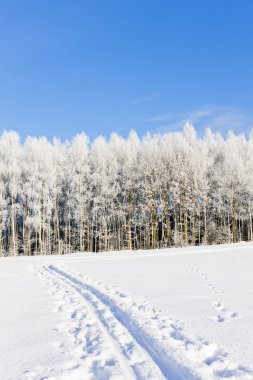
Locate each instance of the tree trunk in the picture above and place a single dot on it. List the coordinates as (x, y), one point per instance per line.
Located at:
(234, 219)
(185, 227)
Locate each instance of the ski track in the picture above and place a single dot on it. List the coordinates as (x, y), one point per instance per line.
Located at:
(113, 335)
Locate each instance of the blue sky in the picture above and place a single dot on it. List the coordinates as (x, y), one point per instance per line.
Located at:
(116, 65)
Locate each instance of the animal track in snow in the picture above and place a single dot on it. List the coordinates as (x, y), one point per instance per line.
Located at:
(205, 278)
(223, 314)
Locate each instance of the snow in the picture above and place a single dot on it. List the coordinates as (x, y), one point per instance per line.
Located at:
(182, 313)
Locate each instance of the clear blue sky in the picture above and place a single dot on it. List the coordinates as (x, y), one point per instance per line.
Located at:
(103, 66)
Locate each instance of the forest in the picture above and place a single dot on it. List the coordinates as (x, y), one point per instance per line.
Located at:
(162, 190)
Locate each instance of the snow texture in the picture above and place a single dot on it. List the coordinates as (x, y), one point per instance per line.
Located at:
(168, 314)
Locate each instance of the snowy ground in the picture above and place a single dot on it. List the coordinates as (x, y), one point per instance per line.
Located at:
(175, 314)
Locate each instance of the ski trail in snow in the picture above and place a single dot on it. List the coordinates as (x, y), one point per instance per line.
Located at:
(139, 342)
(102, 344)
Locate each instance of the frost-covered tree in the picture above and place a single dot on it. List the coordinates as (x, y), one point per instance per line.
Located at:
(159, 191)
(10, 159)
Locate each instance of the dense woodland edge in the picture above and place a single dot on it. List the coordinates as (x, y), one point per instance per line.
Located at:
(160, 191)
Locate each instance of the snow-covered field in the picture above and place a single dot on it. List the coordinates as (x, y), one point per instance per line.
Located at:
(176, 314)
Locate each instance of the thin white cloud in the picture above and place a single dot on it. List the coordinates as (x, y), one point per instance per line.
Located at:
(145, 99)
(220, 119)
(161, 117)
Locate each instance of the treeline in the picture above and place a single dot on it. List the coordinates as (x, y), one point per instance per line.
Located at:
(163, 190)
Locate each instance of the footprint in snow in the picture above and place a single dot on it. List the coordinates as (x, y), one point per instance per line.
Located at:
(223, 314)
